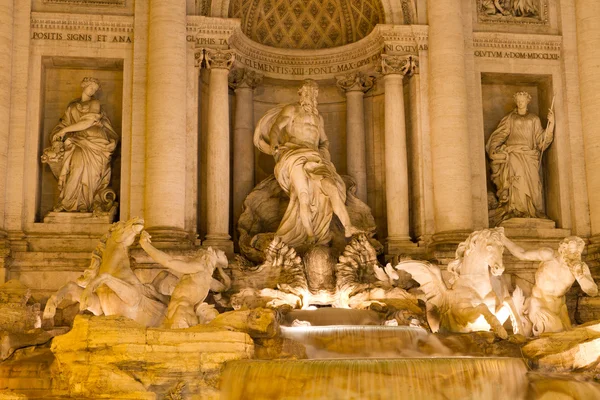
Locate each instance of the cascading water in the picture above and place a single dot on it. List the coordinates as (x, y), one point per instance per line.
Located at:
(347, 341)
(373, 362)
(410, 378)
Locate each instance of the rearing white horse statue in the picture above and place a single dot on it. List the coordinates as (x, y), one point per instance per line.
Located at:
(476, 299)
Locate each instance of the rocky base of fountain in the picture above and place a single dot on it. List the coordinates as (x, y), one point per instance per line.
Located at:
(114, 357)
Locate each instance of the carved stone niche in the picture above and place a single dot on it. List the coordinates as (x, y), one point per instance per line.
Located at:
(498, 104)
(61, 84)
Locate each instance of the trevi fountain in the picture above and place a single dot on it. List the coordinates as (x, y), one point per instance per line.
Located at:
(299, 199)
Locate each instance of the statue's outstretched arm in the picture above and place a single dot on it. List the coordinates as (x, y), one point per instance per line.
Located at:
(83, 124)
(585, 280)
(217, 286)
(182, 267)
(543, 254)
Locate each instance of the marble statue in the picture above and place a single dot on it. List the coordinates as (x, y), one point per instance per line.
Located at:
(475, 299)
(110, 287)
(294, 134)
(515, 149)
(80, 155)
(546, 310)
(187, 298)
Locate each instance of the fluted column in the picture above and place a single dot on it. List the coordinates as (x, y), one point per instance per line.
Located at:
(166, 120)
(6, 52)
(588, 43)
(243, 81)
(449, 119)
(355, 85)
(218, 150)
(394, 69)
(6, 49)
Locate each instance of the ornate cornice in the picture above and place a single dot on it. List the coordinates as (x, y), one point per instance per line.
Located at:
(324, 63)
(89, 3)
(402, 65)
(81, 22)
(510, 45)
(244, 78)
(219, 59)
(356, 81)
(199, 27)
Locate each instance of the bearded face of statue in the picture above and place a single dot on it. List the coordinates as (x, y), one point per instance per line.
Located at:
(570, 250)
(308, 98)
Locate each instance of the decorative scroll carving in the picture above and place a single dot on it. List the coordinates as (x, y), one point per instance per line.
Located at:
(216, 58)
(198, 58)
(405, 65)
(244, 78)
(513, 11)
(358, 81)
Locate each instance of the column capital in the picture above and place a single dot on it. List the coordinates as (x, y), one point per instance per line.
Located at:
(198, 57)
(405, 65)
(244, 78)
(354, 82)
(219, 59)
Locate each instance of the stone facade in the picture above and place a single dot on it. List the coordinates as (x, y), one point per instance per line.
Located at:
(185, 82)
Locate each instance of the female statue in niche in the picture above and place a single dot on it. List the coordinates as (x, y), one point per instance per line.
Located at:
(515, 149)
(82, 146)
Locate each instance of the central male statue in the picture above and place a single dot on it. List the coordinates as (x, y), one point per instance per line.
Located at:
(294, 134)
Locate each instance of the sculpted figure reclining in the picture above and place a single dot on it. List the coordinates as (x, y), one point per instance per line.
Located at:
(109, 286)
(546, 310)
(194, 284)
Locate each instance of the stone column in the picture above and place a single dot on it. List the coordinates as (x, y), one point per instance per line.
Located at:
(355, 85)
(448, 116)
(218, 150)
(6, 53)
(588, 43)
(166, 121)
(394, 68)
(243, 82)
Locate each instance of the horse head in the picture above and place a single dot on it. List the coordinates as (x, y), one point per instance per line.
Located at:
(482, 250)
(124, 232)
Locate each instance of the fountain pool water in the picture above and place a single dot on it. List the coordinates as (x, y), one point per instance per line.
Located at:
(373, 362)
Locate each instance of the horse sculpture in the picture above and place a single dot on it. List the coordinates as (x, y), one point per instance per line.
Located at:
(109, 286)
(476, 299)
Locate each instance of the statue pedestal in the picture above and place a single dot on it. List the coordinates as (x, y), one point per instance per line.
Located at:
(542, 231)
(80, 218)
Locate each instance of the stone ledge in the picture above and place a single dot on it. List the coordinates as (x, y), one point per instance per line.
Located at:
(108, 357)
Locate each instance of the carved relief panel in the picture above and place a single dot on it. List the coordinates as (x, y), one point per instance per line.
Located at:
(513, 11)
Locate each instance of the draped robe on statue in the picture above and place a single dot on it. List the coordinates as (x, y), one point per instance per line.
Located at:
(522, 140)
(292, 155)
(86, 170)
